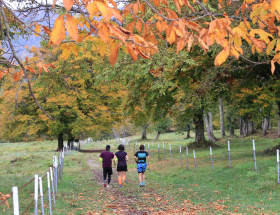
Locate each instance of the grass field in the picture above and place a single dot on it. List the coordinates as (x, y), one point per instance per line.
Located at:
(236, 189)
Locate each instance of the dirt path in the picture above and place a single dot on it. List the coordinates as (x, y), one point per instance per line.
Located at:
(134, 200)
(120, 203)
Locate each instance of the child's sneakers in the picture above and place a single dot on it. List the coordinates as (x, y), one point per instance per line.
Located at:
(105, 183)
(143, 184)
(107, 186)
(140, 185)
(120, 185)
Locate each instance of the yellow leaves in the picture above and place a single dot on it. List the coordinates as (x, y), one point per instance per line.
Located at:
(92, 8)
(234, 52)
(270, 46)
(106, 13)
(275, 5)
(58, 32)
(114, 54)
(102, 48)
(68, 4)
(263, 35)
(72, 27)
(67, 49)
(37, 29)
(222, 56)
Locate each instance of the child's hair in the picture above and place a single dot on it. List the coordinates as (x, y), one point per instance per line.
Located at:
(141, 147)
(121, 147)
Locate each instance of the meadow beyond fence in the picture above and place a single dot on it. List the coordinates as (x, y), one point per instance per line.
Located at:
(181, 155)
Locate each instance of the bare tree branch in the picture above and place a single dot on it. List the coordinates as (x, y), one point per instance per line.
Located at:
(18, 60)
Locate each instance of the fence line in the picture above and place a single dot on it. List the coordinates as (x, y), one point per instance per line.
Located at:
(213, 158)
(53, 175)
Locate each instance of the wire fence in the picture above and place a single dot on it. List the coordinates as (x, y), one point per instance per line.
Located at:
(43, 201)
(186, 158)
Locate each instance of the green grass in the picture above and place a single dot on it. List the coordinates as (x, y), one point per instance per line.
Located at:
(238, 188)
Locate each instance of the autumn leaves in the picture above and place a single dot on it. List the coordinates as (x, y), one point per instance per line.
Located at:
(141, 35)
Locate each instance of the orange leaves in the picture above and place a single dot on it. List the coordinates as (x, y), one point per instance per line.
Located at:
(37, 29)
(130, 26)
(105, 11)
(186, 2)
(222, 56)
(72, 28)
(103, 32)
(68, 4)
(58, 32)
(171, 14)
(114, 54)
(2, 73)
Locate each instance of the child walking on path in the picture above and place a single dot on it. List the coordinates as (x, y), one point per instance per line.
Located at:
(141, 164)
(106, 159)
(122, 158)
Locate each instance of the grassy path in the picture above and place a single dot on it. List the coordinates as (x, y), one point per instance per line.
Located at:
(151, 199)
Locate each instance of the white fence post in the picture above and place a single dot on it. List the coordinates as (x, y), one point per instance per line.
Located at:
(278, 166)
(163, 151)
(15, 200)
(255, 159)
(180, 155)
(51, 172)
(211, 157)
(228, 153)
(49, 191)
(36, 194)
(194, 160)
(187, 152)
(41, 194)
(170, 152)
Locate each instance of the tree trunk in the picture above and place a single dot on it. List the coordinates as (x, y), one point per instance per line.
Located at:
(71, 138)
(269, 124)
(250, 127)
(222, 117)
(241, 126)
(60, 141)
(144, 131)
(209, 127)
(158, 133)
(265, 126)
(188, 131)
(199, 129)
(229, 125)
(244, 128)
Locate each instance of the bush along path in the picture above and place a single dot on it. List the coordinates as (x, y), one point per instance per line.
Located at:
(132, 199)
